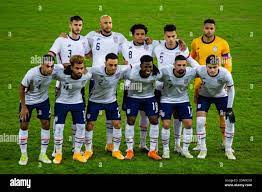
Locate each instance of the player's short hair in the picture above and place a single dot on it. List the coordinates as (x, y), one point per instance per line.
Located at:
(111, 56)
(212, 21)
(146, 58)
(76, 18)
(212, 59)
(138, 26)
(77, 59)
(180, 58)
(47, 58)
(169, 27)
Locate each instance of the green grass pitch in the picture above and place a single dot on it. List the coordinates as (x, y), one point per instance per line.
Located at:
(26, 31)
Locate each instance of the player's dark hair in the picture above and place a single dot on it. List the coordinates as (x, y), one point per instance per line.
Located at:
(212, 21)
(76, 18)
(111, 56)
(138, 26)
(169, 27)
(212, 59)
(47, 58)
(180, 58)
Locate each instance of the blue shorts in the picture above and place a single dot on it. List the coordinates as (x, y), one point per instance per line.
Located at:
(43, 110)
(77, 111)
(148, 105)
(111, 109)
(204, 103)
(183, 110)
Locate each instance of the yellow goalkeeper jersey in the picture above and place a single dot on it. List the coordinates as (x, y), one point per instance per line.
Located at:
(200, 50)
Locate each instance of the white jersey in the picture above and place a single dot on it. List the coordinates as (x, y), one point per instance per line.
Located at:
(166, 57)
(140, 87)
(71, 88)
(214, 86)
(37, 85)
(64, 48)
(132, 53)
(102, 45)
(105, 86)
(175, 88)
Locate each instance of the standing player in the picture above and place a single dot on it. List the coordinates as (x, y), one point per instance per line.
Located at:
(201, 48)
(103, 97)
(142, 79)
(165, 54)
(71, 100)
(175, 98)
(64, 48)
(103, 42)
(34, 95)
(217, 87)
(132, 51)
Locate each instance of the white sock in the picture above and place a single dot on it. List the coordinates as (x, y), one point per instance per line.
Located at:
(54, 121)
(201, 132)
(229, 135)
(73, 134)
(177, 131)
(187, 138)
(23, 136)
(129, 135)
(79, 137)
(89, 140)
(45, 137)
(59, 130)
(109, 131)
(143, 128)
(117, 134)
(165, 138)
(154, 132)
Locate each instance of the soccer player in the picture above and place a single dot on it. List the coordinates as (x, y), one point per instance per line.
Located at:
(33, 94)
(73, 80)
(64, 48)
(217, 87)
(132, 51)
(175, 97)
(103, 97)
(142, 79)
(165, 54)
(201, 48)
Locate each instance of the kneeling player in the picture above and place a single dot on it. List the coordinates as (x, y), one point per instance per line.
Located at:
(141, 95)
(212, 90)
(175, 99)
(103, 97)
(34, 95)
(72, 80)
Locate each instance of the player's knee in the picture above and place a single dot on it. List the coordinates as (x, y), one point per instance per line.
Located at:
(187, 123)
(24, 126)
(166, 124)
(90, 126)
(116, 124)
(131, 120)
(45, 124)
(153, 120)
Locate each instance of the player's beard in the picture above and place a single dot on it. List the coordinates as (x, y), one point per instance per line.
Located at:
(209, 35)
(75, 32)
(107, 31)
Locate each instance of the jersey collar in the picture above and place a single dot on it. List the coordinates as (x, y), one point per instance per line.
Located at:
(74, 39)
(171, 48)
(202, 39)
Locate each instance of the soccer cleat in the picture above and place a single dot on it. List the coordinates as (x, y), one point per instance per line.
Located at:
(88, 154)
(143, 148)
(58, 158)
(118, 155)
(109, 147)
(202, 154)
(223, 147)
(129, 154)
(79, 157)
(197, 148)
(153, 155)
(178, 149)
(229, 154)
(186, 154)
(44, 158)
(23, 159)
(166, 154)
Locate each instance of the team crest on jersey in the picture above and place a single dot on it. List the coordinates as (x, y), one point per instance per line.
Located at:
(130, 47)
(220, 81)
(215, 48)
(115, 39)
(146, 47)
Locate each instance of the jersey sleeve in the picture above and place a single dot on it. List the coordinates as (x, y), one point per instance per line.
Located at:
(27, 79)
(56, 47)
(229, 79)
(193, 49)
(87, 46)
(225, 52)
(122, 38)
